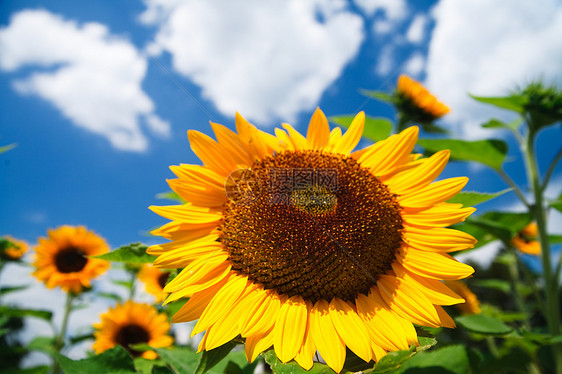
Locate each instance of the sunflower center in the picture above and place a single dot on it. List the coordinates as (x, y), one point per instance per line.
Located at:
(322, 226)
(70, 260)
(130, 335)
(163, 279)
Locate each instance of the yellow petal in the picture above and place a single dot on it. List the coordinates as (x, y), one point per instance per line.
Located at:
(444, 318)
(261, 314)
(256, 344)
(308, 349)
(350, 328)
(187, 213)
(299, 141)
(198, 194)
(212, 154)
(437, 239)
(436, 217)
(435, 193)
(318, 130)
(196, 304)
(290, 327)
(378, 352)
(327, 340)
(352, 136)
(433, 265)
(232, 144)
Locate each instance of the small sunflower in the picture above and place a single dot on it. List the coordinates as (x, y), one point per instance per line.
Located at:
(416, 104)
(62, 260)
(471, 304)
(302, 244)
(12, 249)
(526, 240)
(132, 323)
(154, 281)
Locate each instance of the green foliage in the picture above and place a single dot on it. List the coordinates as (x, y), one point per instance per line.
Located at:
(393, 360)
(447, 360)
(376, 128)
(472, 198)
(495, 123)
(489, 152)
(6, 148)
(17, 312)
(483, 324)
(292, 367)
(134, 253)
(213, 357)
(171, 195)
(515, 102)
(115, 360)
(181, 359)
(378, 95)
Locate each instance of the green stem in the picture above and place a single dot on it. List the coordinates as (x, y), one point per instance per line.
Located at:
(551, 170)
(132, 290)
(515, 187)
(514, 278)
(492, 346)
(59, 339)
(551, 284)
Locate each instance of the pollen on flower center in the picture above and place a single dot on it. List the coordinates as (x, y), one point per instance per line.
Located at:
(322, 226)
(70, 260)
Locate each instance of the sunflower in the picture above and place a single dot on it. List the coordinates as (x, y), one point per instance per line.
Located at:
(301, 244)
(12, 249)
(416, 104)
(132, 323)
(526, 240)
(62, 259)
(154, 281)
(471, 304)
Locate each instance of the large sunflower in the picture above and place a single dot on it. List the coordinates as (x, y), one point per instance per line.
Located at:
(301, 244)
(62, 258)
(132, 323)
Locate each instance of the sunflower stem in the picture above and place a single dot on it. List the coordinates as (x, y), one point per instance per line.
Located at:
(59, 339)
(513, 185)
(539, 212)
(514, 277)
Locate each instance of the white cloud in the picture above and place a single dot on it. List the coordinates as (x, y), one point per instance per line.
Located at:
(385, 62)
(416, 31)
(415, 64)
(268, 60)
(392, 12)
(487, 48)
(94, 78)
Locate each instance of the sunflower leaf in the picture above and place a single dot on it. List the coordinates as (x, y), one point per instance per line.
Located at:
(482, 324)
(15, 312)
(42, 344)
(515, 103)
(379, 95)
(131, 253)
(392, 361)
(213, 357)
(376, 128)
(471, 198)
(181, 359)
(490, 152)
(451, 359)
(495, 123)
(115, 360)
(5, 290)
(293, 368)
(6, 148)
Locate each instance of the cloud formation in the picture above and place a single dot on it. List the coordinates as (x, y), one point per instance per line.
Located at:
(94, 78)
(267, 60)
(487, 48)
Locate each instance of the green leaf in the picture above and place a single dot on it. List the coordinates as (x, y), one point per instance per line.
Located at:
(181, 359)
(496, 123)
(15, 312)
(170, 195)
(80, 338)
(213, 357)
(115, 361)
(33, 370)
(425, 343)
(557, 204)
(109, 295)
(161, 370)
(471, 198)
(378, 95)
(495, 284)
(237, 358)
(515, 103)
(483, 324)
(447, 360)
(132, 253)
(502, 225)
(376, 128)
(6, 290)
(42, 344)
(146, 366)
(6, 148)
(489, 152)
(555, 239)
(292, 367)
(393, 360)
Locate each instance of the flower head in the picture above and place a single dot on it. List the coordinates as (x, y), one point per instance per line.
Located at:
(62, 258)
(526, 240)
(302, 244)
(416, 103)
(471, 304)
(132, 323)
(12, 249)
(154, 281)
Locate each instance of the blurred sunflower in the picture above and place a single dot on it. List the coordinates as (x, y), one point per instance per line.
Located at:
(301, 244)
(471, 304)
(13, 249)
(62, 259)
(526, 240)
(154, 281)
(132, 323)
(416, 104)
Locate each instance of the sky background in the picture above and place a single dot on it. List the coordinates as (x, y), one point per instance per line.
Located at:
(99, 95)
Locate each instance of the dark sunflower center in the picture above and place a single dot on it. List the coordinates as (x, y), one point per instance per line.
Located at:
(163, 279)
(131, 334)
(322, 226)
(70, 260)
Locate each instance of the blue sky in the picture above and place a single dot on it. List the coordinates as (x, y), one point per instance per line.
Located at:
(99, 95)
